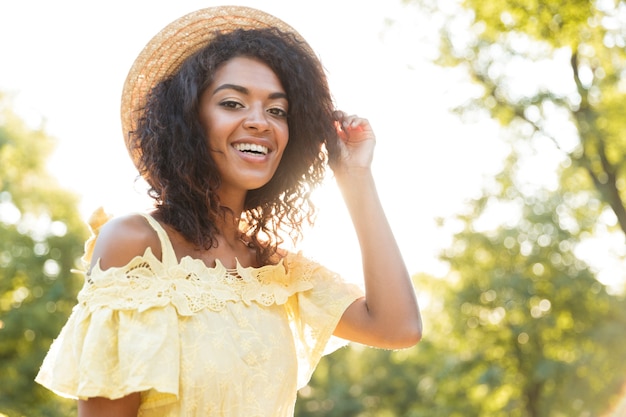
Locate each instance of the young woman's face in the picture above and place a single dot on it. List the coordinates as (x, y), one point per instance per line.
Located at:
(244, 115)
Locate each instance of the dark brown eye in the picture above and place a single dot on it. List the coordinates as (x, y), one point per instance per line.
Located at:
(277, 111)
(231, 104)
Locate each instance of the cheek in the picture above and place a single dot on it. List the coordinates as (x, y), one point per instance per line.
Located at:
(214, 129)
(283, 137)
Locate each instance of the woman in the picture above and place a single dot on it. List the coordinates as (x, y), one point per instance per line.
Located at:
(194, 309)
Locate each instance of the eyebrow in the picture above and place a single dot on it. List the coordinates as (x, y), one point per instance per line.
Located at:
(244, 90)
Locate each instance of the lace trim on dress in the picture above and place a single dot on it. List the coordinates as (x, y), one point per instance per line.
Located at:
(191, 286)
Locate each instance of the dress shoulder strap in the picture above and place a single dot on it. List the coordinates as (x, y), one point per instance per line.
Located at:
(167, 250)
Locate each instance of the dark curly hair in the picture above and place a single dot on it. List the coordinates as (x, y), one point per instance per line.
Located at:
(179, 168)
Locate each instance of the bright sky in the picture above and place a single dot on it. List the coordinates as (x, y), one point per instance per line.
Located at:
(66, 61)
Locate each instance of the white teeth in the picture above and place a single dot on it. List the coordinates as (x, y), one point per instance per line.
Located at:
(251, 147)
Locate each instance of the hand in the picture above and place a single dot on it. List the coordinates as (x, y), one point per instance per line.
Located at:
(356, 143)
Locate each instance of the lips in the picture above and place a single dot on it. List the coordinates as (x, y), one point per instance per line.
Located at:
(252, 148)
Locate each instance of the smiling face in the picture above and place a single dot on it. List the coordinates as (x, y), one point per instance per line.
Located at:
(244, 116)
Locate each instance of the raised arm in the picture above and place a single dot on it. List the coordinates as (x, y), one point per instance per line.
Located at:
(388, 316)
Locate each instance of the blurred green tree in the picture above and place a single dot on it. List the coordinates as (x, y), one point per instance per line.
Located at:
(520, 327)
(553, 74)
(41, 239)
(550, 71)
(534, 332)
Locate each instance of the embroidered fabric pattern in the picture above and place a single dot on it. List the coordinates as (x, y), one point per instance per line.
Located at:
(190, 286)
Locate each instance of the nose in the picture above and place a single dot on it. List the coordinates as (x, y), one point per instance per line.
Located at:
(256, 118)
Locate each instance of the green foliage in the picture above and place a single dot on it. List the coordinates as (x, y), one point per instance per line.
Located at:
(531, 322)
(552, 70)
(41, 237)
(552, 21)
(519, 327)
(528, 322)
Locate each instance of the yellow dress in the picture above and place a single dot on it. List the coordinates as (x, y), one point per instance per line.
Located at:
(198, 341)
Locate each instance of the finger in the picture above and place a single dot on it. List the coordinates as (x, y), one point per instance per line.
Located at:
(339, 115)
(354, 123)
(350, 122)
(345, 119)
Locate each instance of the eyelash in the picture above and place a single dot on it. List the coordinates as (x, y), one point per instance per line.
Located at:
(275, 111)
(278, 112)
(231, 104)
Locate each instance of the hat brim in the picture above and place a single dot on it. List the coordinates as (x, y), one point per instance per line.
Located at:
(168, 49)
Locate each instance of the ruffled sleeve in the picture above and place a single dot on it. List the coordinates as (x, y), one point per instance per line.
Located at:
(110, 349)
(315, 313)
(104, 352)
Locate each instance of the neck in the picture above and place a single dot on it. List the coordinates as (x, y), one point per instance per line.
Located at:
(228, 225)
(229, 222)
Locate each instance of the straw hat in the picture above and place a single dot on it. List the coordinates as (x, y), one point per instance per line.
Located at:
(166, 51)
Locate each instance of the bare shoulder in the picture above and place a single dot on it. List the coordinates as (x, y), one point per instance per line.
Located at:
(123, 238)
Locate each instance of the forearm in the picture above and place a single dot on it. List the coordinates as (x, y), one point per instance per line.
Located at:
(103, 407)
(391, 305)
